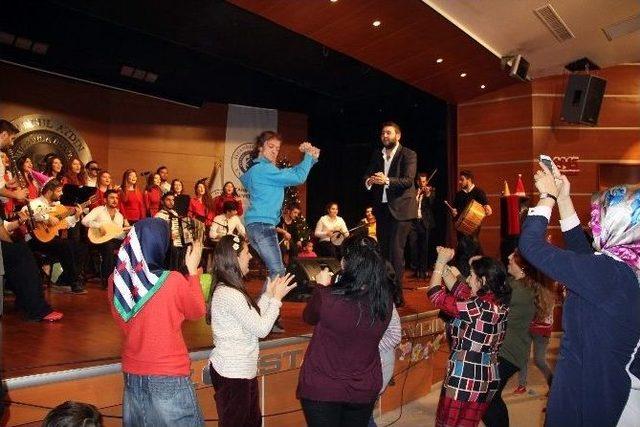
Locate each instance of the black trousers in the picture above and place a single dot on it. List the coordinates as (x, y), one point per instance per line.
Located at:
(237, 400)
(336, 414)
(63, 250)
(392, 238)
(108, 255)
(419, 244)
(328, 249)
(497, 414)
(22, 276)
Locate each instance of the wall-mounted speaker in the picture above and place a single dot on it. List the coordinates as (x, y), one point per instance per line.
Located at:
(305, 270)
(582, 99)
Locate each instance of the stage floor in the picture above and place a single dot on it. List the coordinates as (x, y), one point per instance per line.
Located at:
(87, 336)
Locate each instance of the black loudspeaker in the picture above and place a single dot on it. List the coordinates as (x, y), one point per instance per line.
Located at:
(305, 270)
(582, 99)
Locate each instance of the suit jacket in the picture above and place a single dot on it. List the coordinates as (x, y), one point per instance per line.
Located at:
(401, 194)
(426, 209)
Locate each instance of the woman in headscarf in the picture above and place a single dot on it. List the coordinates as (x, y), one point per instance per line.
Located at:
(597, 378)
(150, 303)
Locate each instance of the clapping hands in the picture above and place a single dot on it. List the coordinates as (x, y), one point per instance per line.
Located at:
(307, 148)
(279, 287)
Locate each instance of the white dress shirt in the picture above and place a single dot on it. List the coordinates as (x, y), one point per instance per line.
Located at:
(100, 215)
(222, 226)
(387, 166)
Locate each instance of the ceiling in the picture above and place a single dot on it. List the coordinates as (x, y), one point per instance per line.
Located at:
(201, 50)
(411, 37)
(508, 27)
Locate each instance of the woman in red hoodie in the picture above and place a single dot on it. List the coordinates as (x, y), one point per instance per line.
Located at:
(132, 204)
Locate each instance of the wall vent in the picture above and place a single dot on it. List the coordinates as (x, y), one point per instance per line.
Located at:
(622, 28)
(554, 23)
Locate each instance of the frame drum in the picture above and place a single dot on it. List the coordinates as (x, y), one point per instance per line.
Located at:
(471, 218)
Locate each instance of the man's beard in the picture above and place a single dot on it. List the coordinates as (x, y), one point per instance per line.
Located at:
(390, 144)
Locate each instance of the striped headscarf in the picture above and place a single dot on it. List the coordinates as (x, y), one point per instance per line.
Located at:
(615, 222)
(139, 271)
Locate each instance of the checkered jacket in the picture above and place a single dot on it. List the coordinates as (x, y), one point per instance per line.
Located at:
(477, 330)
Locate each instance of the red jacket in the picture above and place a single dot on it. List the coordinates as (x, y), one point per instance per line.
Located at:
(152, 200)
(218, 203)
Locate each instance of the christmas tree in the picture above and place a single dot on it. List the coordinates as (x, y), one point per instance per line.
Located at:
(292, 198)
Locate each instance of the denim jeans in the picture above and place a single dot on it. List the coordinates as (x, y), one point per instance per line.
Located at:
(264, 239)
(155, 401)
(540, 344)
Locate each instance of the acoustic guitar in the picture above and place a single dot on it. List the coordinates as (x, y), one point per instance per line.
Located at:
(106, 232)
(45, 232)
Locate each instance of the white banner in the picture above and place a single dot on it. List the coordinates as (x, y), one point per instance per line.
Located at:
(244, 124)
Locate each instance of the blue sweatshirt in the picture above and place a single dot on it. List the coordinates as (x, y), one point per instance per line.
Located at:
(265, 183)
(599, 360)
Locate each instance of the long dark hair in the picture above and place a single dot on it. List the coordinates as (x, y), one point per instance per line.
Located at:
(364, 277)
(495, 276)
(233, 193)
(79, 178)
(227, 268)
(533, 279)
(48, 167)
(207, 198)
(261, 139)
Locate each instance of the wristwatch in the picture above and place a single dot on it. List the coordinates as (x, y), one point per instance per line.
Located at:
(550, 196)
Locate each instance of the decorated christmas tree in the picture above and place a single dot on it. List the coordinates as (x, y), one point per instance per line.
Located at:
(291, 198)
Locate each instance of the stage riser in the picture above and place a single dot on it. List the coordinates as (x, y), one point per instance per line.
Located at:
(279, 365)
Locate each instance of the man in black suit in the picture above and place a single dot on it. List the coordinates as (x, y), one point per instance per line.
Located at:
(389, 178)
(422, 225)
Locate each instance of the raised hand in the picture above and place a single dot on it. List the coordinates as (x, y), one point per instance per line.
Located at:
(445, 254)
(192, 257)
(324, 277)
(281, 286)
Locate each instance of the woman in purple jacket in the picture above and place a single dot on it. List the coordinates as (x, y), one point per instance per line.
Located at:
(341, 375)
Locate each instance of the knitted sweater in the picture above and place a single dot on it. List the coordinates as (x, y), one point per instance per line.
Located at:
(236, 329)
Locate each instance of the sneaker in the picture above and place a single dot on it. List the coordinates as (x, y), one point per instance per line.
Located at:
(61, 289)
(54, 316)
(520, 389)
(79, 291)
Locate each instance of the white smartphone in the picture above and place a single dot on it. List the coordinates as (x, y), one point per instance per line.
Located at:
(546, 160)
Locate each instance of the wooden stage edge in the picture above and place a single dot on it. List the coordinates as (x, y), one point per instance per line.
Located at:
(97, 379)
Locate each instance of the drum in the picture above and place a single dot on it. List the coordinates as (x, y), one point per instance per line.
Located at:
(471, 218)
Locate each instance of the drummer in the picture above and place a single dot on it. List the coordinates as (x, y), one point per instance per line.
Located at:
(468, 245)
(330, 226)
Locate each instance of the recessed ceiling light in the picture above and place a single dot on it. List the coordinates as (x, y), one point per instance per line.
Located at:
(376, 23)
(439, 61)
(463, 74)
(334, 1)
(482, 86)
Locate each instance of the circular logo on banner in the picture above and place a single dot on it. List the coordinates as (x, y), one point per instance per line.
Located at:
(40, 135)
(241, 158)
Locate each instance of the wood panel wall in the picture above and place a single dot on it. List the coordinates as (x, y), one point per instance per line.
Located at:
(125, 130)
(501, 133)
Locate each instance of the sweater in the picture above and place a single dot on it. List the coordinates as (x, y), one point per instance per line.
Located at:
(153, 342)
(517, 341)
(236, 329)
(152, 200)
(598, 363)
(265, 183)
(132, 205)
(342, 362)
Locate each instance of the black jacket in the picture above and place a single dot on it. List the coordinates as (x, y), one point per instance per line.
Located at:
(401, 194)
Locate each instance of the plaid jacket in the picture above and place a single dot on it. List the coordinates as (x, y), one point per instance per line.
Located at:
(477, 330)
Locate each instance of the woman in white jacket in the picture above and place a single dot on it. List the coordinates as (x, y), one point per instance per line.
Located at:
(238, 322)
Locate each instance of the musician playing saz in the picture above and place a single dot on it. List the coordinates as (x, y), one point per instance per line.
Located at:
(47, 210)
(107, 220)
(227, 223)
(468, 245)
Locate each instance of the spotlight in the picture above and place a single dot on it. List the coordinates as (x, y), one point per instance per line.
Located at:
(439, 61)
(482, 86)
(376, 23)
(463, 74)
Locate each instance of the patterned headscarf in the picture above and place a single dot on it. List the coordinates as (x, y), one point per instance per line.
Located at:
(615, 222)
(139, 272)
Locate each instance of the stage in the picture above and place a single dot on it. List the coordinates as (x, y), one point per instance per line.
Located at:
(46, 364)
(87, 336)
